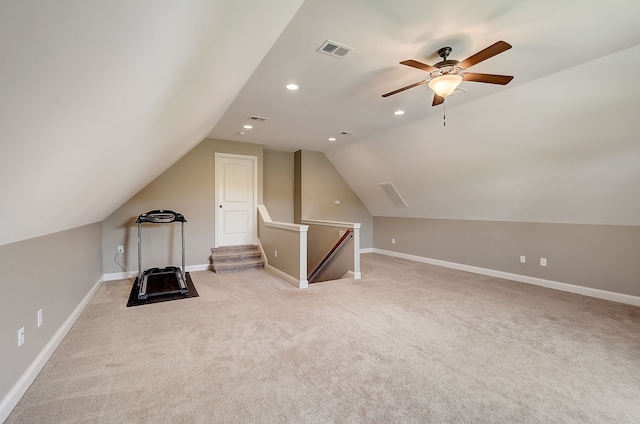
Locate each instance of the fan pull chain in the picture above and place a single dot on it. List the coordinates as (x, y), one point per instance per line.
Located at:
(444, 113)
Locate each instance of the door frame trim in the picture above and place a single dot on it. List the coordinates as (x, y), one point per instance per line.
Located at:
(254, 159)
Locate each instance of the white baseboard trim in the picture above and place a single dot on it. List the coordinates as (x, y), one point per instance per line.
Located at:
(133, 274)
(19, 389)
(193, 268)
(571, 288)
(366, 250)
(264, 255)
(300, 284)
(119, 276)
(353, 275)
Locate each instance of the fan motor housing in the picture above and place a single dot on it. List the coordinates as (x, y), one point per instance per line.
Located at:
(444, 52)
(444, 63)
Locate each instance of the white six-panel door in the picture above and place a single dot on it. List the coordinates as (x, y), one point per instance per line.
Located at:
(236, 199)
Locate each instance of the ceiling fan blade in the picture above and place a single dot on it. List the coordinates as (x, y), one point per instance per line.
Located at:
(404, 88)
(488, 78)
(419, 65)
(485, 54)
(437, 100)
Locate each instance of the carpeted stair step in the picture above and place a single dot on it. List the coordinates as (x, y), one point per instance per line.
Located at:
(236, 258)
(237, 248)
(237, 266)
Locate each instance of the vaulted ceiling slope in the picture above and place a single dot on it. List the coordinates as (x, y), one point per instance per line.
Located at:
(338, 95)
(100, 97)
(560, 149)
(558, 144)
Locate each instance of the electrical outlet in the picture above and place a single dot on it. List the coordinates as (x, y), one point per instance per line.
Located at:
(276, 254)
(393, 241)
(543, 261)
(40, 318)
(337, 202)
(120, 249)
(523, 259)
(21, 337)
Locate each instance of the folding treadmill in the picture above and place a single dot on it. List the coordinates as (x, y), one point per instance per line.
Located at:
(165, 280)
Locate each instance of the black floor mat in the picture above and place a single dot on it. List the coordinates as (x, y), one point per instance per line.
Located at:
(161, 284)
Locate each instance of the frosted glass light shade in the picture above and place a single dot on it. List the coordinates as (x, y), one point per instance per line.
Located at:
(445, 84)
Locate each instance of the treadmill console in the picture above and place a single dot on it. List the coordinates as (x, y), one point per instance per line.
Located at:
(161, 216)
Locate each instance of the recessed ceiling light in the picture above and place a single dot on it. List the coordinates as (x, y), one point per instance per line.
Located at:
(248, 127)
(399, 112)
(292, 87)
(241, 133)
(332, 139)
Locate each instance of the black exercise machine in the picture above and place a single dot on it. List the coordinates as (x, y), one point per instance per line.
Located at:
(166, 280)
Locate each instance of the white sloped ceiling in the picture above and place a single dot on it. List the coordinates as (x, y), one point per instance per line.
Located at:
(563, 148)
(99, 97)
(558, 144)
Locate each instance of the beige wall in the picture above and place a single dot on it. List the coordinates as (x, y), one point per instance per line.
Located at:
(319, 185)
(287, 244)
(321, 240)
(339, 265)
(186, 187)
(53, 273)
(278, 185)
(597, 256)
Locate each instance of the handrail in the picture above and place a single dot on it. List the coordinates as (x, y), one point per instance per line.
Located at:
(329, 255)
(283, 225)
(331, 223)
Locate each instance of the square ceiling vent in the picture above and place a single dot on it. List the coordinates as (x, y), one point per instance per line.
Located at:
(334, 49)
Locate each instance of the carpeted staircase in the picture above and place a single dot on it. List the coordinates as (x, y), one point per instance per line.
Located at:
(236, 258)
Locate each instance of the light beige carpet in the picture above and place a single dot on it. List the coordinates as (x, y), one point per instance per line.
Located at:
(409, 343)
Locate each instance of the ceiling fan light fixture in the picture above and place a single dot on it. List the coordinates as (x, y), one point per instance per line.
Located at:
(445, 84)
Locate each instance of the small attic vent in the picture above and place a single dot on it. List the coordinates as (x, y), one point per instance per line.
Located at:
(257, 118)
(394, 196)
(334, 49)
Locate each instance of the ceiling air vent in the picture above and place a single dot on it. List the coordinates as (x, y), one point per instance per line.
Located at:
(257, 118)
(346, 133)
(334, 49)
(394, 196)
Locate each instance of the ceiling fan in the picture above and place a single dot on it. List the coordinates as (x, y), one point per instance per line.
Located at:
(446, 75)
